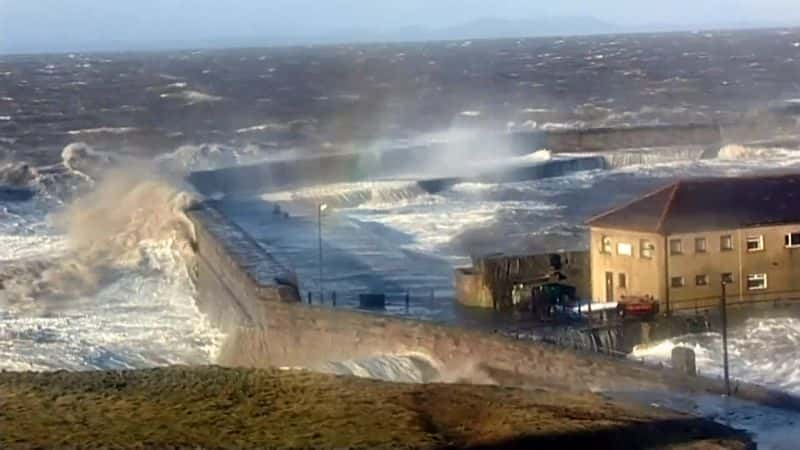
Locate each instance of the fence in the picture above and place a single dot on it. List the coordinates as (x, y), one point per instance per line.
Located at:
(390, 299)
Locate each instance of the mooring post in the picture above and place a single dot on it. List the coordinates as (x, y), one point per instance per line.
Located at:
(333, 298)
(309, 297)
(408, 301)
(724, 313)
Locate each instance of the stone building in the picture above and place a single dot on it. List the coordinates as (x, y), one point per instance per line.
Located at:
(679, 243)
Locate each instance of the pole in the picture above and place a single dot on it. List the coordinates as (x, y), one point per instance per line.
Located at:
(319, 236)
(724, 313)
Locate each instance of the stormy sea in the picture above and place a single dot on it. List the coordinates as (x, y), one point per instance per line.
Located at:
(95, 149)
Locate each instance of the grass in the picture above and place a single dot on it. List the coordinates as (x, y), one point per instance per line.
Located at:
(214, 407)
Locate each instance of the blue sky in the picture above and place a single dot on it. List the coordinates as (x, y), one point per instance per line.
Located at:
(60, 25)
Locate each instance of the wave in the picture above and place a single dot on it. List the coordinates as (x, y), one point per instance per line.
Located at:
(749, 361)
(411, 367)
(187, 158)
(735, 152)
(94, 270)
(352, 195)
(105, 231)
(400, 368)
(653, 156)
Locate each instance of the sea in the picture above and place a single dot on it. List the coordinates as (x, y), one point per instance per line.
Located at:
(95, 148)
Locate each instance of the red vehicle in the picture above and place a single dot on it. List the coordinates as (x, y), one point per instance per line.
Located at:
(638, 307)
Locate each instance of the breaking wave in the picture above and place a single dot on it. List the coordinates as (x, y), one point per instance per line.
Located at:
(401, 368)
(105, 230)
(625, 158)
(752, 351)
(410, 367)
(736, 152)
(94, 271)
(351, 195)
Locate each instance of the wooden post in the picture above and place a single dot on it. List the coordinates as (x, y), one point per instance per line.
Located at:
(333, 298)
(408, 301)
(309, 297)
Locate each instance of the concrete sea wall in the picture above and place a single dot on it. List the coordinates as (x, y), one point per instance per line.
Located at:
(357, 166)
(251, 297)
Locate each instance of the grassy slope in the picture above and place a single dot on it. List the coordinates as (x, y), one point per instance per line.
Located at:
(227, 408)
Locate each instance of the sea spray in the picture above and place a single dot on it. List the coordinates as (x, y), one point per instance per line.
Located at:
(753, 347)
(105, 229)
(94, 271)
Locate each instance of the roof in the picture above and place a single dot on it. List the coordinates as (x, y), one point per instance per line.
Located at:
(709, 204)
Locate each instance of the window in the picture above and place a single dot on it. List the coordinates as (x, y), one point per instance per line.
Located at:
(726, 243)
(623, 280)
(792, 240)
(700, 245)
(606, 245)
(755, 243)
(678, 282)
(701, 280)
(646, 249)
(727, 278)
(624, 249)
(757, 281)
(675, 247)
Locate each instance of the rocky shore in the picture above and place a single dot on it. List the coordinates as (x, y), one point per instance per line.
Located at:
(212, 407)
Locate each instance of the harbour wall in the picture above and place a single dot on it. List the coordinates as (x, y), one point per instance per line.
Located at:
(255, 300)
(357, 166)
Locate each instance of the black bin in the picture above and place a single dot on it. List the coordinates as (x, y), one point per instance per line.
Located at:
(372, 301)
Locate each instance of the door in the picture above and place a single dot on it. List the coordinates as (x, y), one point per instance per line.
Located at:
(609, 286)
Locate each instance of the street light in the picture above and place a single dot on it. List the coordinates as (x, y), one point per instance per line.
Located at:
(724, 313)
(322, 207)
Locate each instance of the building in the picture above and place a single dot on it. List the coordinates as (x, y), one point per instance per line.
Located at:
(490, 282)
(680, 242)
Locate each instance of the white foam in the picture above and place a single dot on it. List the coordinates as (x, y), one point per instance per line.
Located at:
(192, 97)
(350, 195)
(143, 319)
(753, 348)
(103, 130)
(114, 292)
(400, 368)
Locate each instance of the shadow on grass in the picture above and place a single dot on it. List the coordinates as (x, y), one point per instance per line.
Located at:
(654, 434)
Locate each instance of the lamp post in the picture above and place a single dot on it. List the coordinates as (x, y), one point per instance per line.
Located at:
(724, 313)
(320, 209)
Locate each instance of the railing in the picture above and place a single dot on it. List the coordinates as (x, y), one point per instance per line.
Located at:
(392, 299)
(709, 303)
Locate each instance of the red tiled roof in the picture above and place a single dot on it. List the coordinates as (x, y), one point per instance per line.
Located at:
(709, 204)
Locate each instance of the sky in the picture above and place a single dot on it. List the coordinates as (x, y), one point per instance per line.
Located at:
(64, 25)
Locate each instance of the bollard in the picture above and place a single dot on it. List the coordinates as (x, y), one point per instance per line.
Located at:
(333, 298)
(645, 333)
(683, 361)
(309, 297)
(408, 301)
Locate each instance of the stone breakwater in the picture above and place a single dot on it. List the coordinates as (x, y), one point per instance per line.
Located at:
(254, 299)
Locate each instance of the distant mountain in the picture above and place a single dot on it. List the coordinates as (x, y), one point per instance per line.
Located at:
(502, 28)
(486, 28)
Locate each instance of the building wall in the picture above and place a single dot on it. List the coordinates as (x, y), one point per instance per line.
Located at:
(489, 283)
(643, 276)
(781, 264)
(471, 290)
